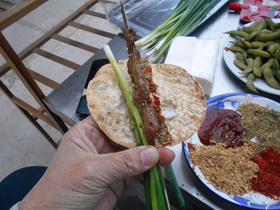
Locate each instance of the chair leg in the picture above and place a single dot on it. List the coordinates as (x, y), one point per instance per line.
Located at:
(20, 106)
(60, 122)
(38, 126)
(22, 72)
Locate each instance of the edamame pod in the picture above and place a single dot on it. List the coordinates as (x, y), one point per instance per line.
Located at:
(265, 31)
(239, 49)
(240, 57)
(250, 82)
(275, 64)
(239, 43)
(237, 33)
(272, 48)
(269, 23)
(269, 78)
(257, 52)
(277, 50)
(246, 43)
(277, 56)
(240, 64)
(260, 48)
(269, 37)
(267, 64)
(257, 66)
(276, 67)
(258, 44)
(257, 29)
(249, 68)
(254, 24)
(276, 26)
(247, 29)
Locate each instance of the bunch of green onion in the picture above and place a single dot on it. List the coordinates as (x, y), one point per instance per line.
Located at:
(154, 184)
(185, 16)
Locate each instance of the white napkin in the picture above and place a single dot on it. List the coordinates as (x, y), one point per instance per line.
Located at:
(198, 57)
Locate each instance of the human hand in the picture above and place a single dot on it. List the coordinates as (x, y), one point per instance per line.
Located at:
(89, 171)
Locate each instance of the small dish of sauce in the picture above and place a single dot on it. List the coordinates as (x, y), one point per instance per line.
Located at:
(221, 125)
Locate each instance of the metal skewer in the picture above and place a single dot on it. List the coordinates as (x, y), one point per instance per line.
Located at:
(158, 164)
(124, 17)
(125, 20)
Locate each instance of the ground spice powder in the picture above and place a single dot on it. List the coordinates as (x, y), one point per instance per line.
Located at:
(227, 169)
(260, 123)
(267, 181)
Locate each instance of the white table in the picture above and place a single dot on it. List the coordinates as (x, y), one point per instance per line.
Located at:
(64, 99)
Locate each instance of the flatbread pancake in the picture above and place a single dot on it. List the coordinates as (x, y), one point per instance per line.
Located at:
(182, 102)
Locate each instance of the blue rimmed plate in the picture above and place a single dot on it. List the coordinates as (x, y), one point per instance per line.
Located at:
(233, 101)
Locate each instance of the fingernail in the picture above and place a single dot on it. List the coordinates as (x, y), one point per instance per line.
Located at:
(149, 156)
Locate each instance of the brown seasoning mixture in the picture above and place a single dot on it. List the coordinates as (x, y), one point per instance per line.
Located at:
(227, 169)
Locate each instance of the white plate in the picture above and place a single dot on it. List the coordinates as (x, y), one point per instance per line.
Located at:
(233, 101)
(229, 57)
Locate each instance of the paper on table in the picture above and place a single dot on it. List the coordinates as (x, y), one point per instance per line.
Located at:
(198, 57)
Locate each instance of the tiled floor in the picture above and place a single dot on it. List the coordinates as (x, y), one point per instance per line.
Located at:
(20, 143)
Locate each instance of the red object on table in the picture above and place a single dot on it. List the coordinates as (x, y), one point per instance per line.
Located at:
(253, 10)
(235, 7)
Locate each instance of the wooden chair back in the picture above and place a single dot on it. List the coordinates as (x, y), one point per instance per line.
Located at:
(28, 76)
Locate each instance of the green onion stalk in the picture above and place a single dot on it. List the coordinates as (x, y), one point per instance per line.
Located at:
(170, 20)
(175, 187)
(200, 14)
(186, 16)
(154, 190)
(176, 27)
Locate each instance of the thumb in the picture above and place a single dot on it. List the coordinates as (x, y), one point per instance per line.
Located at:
(130, 162)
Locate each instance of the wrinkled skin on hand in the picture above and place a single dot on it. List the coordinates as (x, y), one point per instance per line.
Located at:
(89, 171)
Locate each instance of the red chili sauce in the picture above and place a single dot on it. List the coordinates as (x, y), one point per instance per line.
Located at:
(221, 125)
